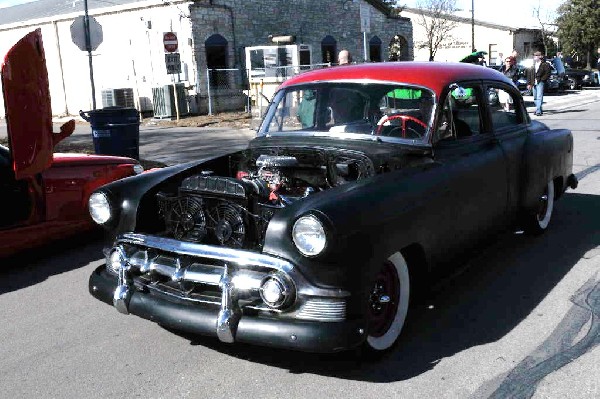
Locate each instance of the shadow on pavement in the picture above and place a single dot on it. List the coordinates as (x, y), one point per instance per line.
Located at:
(38, 264)
(497, 290)
(563, 111)
(174, 145)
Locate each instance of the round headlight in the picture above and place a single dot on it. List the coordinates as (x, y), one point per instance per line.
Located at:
(309, 235)
(99, 207)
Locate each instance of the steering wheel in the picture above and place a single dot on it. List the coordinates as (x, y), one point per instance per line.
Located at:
(404, 129)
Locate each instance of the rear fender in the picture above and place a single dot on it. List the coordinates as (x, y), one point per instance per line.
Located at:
(548, 156)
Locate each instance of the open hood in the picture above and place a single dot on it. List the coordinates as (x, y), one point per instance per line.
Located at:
(27, 101)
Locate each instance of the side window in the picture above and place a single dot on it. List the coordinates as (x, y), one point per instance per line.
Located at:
(504, 108)
(461, 114)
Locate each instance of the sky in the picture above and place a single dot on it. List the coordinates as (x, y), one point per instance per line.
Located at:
(517, 13)
(10, 3)
(506, 12)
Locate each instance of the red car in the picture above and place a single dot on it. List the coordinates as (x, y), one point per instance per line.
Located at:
(44, 194)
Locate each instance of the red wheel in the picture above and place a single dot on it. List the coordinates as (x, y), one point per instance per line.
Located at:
(404, 129)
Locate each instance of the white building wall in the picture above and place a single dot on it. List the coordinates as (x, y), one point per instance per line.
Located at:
(491, 38)
(131, 55)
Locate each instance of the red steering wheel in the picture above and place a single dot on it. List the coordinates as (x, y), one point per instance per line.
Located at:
(404, 119)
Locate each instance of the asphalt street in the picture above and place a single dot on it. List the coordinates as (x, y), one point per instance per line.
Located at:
(169, 145)
(521, 319)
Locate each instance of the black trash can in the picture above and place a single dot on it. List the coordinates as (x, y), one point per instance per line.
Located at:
(115, 131)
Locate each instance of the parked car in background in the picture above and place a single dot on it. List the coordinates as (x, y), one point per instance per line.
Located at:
(521, 82)
(556, 83)
(44, 194)
(364, 182)
(578, 78)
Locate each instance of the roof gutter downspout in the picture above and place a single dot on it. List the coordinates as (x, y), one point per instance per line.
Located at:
(60, 65)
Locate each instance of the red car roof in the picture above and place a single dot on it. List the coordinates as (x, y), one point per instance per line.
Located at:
(435, 75)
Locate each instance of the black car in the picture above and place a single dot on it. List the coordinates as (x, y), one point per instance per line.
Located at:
(556, 83)
(364, 182)
(578, 78)
(521, 81)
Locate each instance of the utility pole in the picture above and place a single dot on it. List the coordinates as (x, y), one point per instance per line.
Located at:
(473, 25)
(88, 47)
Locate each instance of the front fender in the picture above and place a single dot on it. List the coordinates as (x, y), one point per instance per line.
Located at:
(365, 221)
(126, 195)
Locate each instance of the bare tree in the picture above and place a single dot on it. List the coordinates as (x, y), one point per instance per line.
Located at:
(543, 16)
(435, 18)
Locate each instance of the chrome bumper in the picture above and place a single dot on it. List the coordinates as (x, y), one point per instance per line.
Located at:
(239, 277)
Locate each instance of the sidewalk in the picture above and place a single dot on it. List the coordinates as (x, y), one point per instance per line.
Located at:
(555, 103)
(165, 141)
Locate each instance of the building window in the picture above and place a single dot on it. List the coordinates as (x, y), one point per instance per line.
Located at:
(375, 49)
(216, 58)
(329, 49)
(398, 49)
(527, 51)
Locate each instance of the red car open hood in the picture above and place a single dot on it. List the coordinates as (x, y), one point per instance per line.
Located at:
(27, 101)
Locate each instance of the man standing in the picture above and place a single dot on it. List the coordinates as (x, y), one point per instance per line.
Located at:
(344, 57)
(559, 65)
(515, 55)
(537, 76)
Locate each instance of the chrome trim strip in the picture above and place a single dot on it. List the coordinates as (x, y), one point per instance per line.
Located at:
(238, 256)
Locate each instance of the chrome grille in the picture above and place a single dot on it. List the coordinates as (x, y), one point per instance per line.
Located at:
(323, 310)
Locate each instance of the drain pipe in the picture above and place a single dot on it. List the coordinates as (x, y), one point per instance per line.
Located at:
(60, 65)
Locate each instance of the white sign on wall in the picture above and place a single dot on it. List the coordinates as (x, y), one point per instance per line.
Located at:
(365, 18)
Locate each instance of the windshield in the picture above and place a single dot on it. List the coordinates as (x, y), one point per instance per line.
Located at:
(385, 110)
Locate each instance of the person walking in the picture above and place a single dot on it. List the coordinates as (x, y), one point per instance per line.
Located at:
(537, 76)
(509, 69)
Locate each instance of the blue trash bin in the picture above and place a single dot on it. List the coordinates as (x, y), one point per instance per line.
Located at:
(115, 131)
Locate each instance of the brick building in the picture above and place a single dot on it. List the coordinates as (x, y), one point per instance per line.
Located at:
(211, 34)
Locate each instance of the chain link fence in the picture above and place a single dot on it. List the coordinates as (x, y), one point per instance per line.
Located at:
(235, 89)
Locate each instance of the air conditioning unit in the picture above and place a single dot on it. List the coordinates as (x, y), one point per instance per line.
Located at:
(163, 99)
(118, 98)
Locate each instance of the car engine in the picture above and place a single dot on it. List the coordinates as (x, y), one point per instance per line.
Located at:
(235, 211)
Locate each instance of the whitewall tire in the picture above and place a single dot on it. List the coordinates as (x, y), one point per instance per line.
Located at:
(388, 304)
(539, 220)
